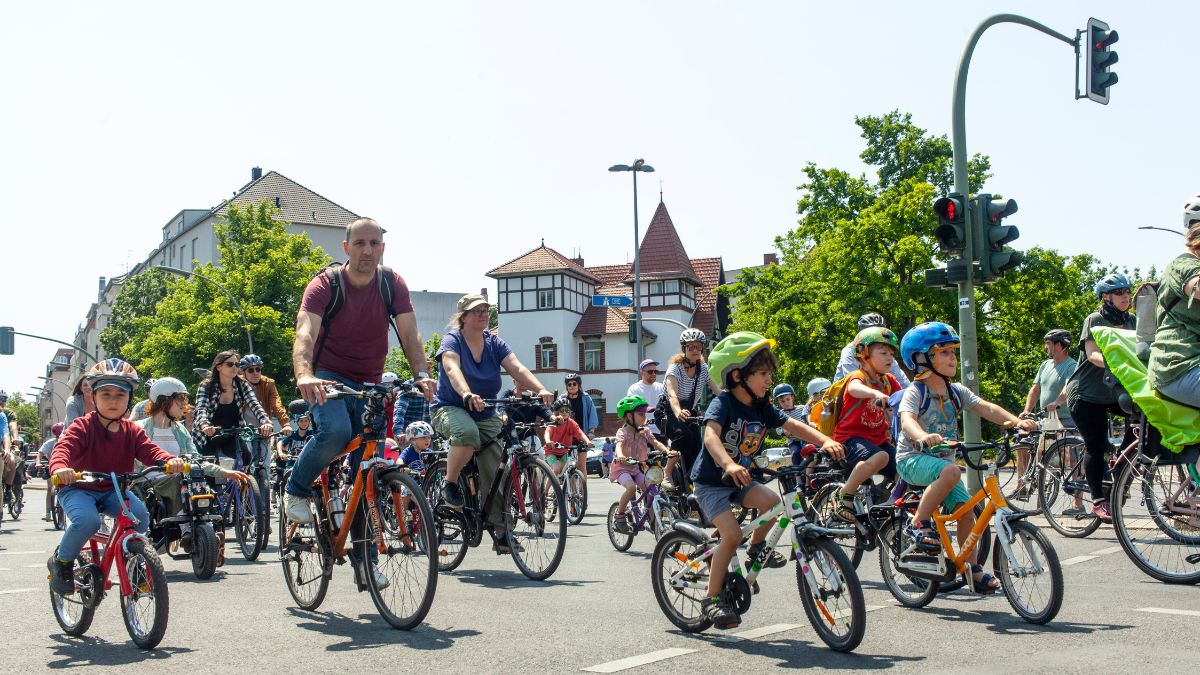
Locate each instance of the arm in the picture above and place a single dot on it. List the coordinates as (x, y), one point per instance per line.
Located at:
(1093, 354)
(671, 390)
(912, 428)
(859, 389)
(1031, 400)
(200, 420)
(277, 408)
(579, 435)
(308, 325)
(619, 452)
(994, 413)
(414, 350)
(591, 419)
(810, 434)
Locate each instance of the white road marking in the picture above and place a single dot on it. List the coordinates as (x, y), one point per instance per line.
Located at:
(756, 633)
(1077, 559)
(18, 590)
(21, 552)
(29, 567)
(1164, 610)
(1106, 551)
(640, 660)
(872, 608)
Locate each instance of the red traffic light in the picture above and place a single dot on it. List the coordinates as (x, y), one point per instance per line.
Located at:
(949, 209)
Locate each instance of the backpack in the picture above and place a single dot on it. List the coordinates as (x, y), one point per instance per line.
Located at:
(955, 400)
(387, 291)
(829, 410)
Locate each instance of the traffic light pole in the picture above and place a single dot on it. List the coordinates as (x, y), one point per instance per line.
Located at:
(969, 359)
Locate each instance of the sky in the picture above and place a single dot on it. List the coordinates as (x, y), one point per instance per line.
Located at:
(473, 130)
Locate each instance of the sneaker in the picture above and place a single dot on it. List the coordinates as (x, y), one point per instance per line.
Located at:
(62, 575)
(621, 523)
(773, 559)
(720, 613)
(381, 580)
(502, 546)
(1100, 510)
(297, 509)
(452, 495)
(47, 517)
(1074, 511)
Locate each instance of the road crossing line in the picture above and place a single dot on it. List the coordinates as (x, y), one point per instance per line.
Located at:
(1165, 610)
(640, 660)
(1091, 556)
(18, 590)
(20, 552)
(755, 633)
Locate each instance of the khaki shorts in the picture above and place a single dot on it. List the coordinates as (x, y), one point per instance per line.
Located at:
(457, 425)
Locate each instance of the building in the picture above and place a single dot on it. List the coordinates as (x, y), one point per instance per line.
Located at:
(56, 389)
(546, 316)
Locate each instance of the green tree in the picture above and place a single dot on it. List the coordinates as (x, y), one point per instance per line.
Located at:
(24, 415)
(397, 362)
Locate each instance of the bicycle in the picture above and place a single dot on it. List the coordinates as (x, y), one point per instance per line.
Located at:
(829, 587)
(1063, 488)
(530, 497)
(574, 484)
(651, 510)
(1038, 444)
(145, 602)
(913, 576)
(201, 513)
(57, 518)
(397, 540)
(241, 504)
(14, 496)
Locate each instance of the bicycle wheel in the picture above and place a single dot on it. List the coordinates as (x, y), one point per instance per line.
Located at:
(204, 550)
(18, 501)
(306, 562)
(824, 506)
(407, 537)
(576, 496)
(835, 606)
(1154, 517)
(57, 516)
(250, 519)
(147, 606)
(665, 517)
(908, 590)
(536, 545)
(74, 613)
(1060, 483)
(1035, 587)
(680, 601)
(620, 540)
(264, 492)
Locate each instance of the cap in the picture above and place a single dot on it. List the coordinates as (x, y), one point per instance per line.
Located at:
(468, 302)
(647, 362)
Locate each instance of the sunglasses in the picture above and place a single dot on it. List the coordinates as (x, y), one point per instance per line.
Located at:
(653, 372)
(254, 369)
(179, 397)
(229, 363)
(1121, 291)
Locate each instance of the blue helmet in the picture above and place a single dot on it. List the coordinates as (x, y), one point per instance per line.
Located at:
(1111, 282)
(924, 337)
(250, 360)
(783, 389)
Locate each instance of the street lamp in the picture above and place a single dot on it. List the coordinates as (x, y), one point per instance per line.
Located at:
(1164, 229)
(236, 304)
(638, 166)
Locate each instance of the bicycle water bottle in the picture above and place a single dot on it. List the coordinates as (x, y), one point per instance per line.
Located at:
(337, 510)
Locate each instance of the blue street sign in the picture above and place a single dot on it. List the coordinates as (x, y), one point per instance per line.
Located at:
(612, 301)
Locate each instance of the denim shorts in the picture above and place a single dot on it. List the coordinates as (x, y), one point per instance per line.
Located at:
(715, 499)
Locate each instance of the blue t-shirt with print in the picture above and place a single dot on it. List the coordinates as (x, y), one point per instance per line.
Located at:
(483, 376)
(742, 430)
(411, 458)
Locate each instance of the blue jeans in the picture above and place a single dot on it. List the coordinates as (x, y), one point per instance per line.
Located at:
(1185, 389)
(337, 422)
(83, 509)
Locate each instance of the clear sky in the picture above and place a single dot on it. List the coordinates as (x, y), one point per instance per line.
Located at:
(472, 130)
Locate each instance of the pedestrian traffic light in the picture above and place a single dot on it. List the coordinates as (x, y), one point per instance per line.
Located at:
(1100, 59)
(6, 340)
(633, 330)
(992, 235)
(951, 232)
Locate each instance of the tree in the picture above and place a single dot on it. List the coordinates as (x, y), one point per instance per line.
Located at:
(24, 419)
(397, 362)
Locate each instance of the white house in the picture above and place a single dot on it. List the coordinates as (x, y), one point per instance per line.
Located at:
(544, 300)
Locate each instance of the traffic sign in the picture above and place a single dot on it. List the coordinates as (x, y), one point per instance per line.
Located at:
(612, 301)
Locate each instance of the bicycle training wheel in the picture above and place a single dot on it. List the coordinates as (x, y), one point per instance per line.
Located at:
(1154, 515)
(835, 605)
(1063, 490)
(620, 540)
(1035, 587)
(148, 605)
(681, 600)
(576, 496)
(824, 504)
(406, 529)
(306, 563)
(910, 591)
(536, 544)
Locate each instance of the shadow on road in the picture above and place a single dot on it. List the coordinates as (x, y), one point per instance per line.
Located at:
(368, 631)
(505, 580)
(92, 651)
(794, 654)
(1008, 623)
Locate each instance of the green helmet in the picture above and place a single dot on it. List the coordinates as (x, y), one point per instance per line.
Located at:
(734, 352)
(629, 404)
(875, 335)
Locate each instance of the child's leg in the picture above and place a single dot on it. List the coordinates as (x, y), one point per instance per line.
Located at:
(763, 499)
(111, 506)
(864, 470)
(80, 507)
(626, 480)
(935, 494)
(731, 538)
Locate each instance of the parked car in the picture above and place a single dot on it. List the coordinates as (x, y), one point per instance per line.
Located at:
(594, 465)
(779, 457)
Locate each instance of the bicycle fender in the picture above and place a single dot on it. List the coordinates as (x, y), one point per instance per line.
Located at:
(692, 531)
(814, 531)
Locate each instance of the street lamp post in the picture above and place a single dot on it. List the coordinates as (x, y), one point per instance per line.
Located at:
(236, 304)
(638, 166)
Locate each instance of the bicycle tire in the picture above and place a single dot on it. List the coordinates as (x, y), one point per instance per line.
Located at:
(576, 496)
(832, 561)
(916, 592)
(303, 550)
(620, 540)
(1030, 536)
(147, 579)
(18, 501)
(264, 490)
(665, 518)
(681, 606)
(74, 613)
(204, 550)
(823, 506)
(250, 522)
(407, 562)
(57, 517)
(1052, 495)
(1134, 491)
(527, 534)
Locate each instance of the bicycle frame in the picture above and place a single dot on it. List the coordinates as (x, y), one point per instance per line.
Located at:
(359, 488)
(123, 530)
(995, 503)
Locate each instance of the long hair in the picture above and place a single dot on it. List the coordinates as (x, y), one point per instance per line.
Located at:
(1193, 238)
(163, 404)
(220, 358)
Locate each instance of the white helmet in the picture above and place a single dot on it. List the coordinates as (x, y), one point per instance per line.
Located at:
(818, 384)
(693, 335)
(166, 386)
(419, 429)
(1191, 210)
(388, 378)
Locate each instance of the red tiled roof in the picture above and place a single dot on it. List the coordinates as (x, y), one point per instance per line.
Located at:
(611, 274)
(662, 254)
(541, 259)
(606, 321)
(709, 271)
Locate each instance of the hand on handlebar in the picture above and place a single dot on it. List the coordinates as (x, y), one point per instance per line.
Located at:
(312, 389)
(64, 477)
(684, 415)
(930, 440)
(834, 449)
(266, 429)
(1027, 425)
(739, 474)
(473, 402)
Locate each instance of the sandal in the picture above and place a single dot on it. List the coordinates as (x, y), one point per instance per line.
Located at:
(985, 585)
(923, 536)
(845, 510)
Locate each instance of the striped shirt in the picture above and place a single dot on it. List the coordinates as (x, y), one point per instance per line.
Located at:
(797, 414)
(684, 384)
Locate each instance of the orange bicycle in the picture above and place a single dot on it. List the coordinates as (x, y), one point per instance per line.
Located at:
(394, 536)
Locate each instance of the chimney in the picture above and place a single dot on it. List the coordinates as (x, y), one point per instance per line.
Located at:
(483, 292)
(770, 259)
(255, 173)
(100, 292)
(578, 261)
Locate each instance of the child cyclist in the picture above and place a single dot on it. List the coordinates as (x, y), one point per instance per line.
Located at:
(102, 441)
(735, 424)
(420, 436)
(864, 423)
(928, 418)
(560, 436)
(784, 397)
(634, 441)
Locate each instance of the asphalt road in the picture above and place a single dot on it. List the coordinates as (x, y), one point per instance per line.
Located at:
(597, 609)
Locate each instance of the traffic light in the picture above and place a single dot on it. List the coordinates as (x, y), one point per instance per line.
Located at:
(992, 235)
(6, 340)
(1100, 60)
(951, 232)
(633, 330)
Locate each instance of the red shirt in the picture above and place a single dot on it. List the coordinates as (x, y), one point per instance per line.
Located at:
(862, 419)
(87, 446)
(356, 343)
(563, 434)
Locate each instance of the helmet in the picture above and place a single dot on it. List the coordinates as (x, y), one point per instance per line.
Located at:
(629, 404)
(57, 429)
(1111, 282)
(783, 389)
(573, 377)
(113, 373)
(298, 408)
(735, 351)
(1059, 335)
(149, 383)
(874, 335)
(250, 360)
(419, 429)
(1191, 210)
(871, 319)
(388, 378)
(693, 335)
(3, 396)
(924, 337)
(560, 403)
(166, 386)
(818, 384)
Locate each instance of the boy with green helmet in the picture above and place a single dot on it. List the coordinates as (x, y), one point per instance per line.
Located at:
(735, 424)
(634, 441)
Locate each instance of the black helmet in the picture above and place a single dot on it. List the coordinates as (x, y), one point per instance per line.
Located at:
(562, 402)
(298, 408)
(871, 319)
(573, 377)
(250, 360)
(1059, 335)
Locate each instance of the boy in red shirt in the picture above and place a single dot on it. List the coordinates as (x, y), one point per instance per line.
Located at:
(864, 425)
(564, 433)
(101, 441)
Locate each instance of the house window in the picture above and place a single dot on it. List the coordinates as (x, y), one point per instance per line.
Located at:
(549, 357)
(592, 349)
(598, 400)
(546, 299)
(656, 288)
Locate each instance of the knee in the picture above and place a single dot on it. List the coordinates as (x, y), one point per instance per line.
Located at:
(950, 472)
(88, 521)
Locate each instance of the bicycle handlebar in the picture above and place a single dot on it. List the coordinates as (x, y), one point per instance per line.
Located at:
(963, 450)
(100, 476)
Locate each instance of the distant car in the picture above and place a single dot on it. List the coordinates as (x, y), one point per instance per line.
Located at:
(779, 457)
(594, 465)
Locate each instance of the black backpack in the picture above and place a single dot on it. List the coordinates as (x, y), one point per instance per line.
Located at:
(387, 291)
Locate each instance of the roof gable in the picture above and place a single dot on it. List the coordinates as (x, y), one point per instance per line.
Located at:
(661, 253)
(541, 259)
(297, 204)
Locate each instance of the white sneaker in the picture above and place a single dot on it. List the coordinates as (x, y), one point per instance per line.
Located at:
(297, 509)
(381, 580)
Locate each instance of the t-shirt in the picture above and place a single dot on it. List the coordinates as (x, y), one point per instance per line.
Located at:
(483, 376)
(3, 428)
(564, 434)
(634, 444)
(940, 417)
(742, 431)
(1176, 348)
(684, 385)
(165, 439)
(798, 414)
(411, 458)
(577, 407)
(1089, 380)
(861, 419)
(47, 448)
(1050, 378)
(356, 341)
(650, 392)
(88, 446)
(294, 441)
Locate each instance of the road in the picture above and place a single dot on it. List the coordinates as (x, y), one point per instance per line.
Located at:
(597, 609)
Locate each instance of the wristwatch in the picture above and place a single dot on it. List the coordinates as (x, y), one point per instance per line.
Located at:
(422, 375)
